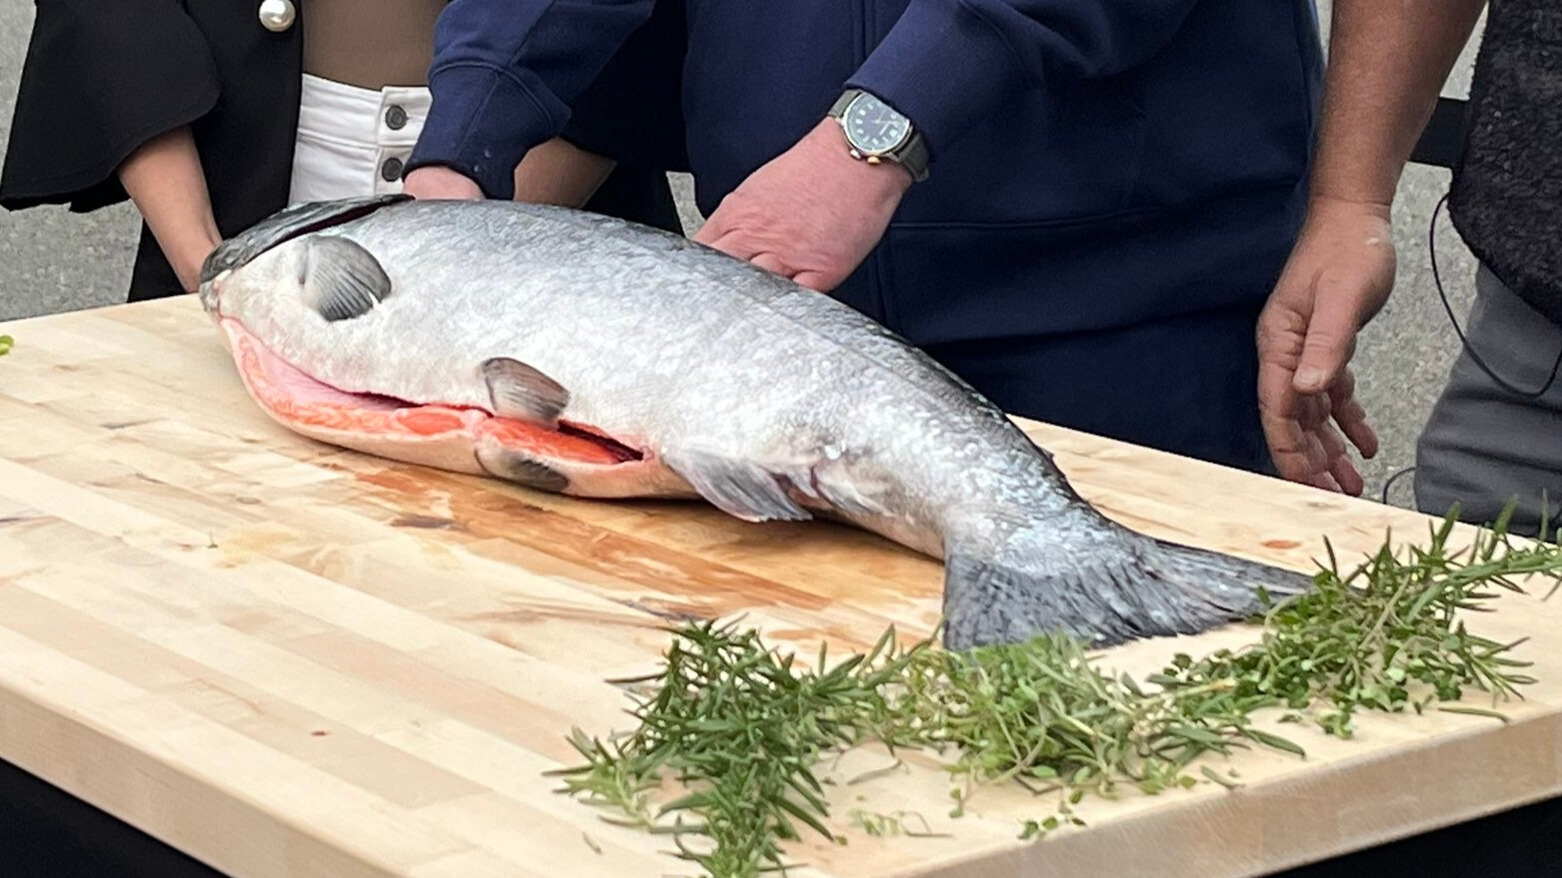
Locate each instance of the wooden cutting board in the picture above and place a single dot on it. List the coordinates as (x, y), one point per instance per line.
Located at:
(292, 660)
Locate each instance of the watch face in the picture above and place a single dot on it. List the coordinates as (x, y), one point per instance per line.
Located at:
(873, 127)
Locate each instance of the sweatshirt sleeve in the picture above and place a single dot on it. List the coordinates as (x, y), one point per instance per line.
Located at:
(503, 76)
(948, 63)
(99, 80)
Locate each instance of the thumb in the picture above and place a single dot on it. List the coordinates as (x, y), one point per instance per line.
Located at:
(713, 228)
(708, 233)
(1331, 338)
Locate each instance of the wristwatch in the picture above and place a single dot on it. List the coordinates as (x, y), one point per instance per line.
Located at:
(876, 131)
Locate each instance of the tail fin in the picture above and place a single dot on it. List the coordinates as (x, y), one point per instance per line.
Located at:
(1106, 588)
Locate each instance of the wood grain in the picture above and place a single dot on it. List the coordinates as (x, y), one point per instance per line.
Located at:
(292, 660)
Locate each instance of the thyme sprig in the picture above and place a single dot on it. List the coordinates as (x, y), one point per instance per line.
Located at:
(730, 732)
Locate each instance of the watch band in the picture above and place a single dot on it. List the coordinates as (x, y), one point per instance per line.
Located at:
(912, 155)
(838, 109)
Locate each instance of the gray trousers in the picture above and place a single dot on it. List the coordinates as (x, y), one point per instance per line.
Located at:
(1485, 445)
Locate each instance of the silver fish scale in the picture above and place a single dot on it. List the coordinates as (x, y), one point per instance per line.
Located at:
(736, 378)
(662, 343)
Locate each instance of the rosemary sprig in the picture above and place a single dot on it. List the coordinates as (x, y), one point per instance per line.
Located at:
(1386, 636)
(741, 728)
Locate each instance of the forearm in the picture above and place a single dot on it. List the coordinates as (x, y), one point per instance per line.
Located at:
(164, 179)
(503, 77)
(1388, 60)
(947, 64)
(558, 172)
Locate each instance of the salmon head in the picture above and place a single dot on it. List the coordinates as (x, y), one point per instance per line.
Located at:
(299, 309)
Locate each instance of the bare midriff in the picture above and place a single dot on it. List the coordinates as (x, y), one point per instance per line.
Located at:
(370, 43)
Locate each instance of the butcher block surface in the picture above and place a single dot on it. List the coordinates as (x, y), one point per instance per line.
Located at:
(288, 659)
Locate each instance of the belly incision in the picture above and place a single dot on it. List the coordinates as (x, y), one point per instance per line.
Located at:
(457, 438)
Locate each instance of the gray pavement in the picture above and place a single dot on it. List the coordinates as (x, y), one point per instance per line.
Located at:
(52, 260)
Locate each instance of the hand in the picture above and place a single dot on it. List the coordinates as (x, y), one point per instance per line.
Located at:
(438, 183)
(812, 214)
(1337, 279)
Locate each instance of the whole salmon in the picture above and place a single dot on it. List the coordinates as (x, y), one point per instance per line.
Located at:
(579, 354)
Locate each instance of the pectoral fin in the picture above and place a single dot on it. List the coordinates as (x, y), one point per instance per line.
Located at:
(341, 279)
(739, 488)
(521, 392)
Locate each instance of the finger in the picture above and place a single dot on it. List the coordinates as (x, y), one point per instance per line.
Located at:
(1351, 417)
(1277, 410)
(1319, 464)
(816, 280)
(1313, 410)
(1287, 444)
(1297, 453)
(736, 243)
(1347, 476)
(1317, 473)
(708, 234)
(771, 263)
(1332, 443)
(714, 227)
(1331, 333)
(1339, 464)
(1329, 465)
(1323, 447)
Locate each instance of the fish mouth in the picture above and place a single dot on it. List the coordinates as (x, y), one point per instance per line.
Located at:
(310, 406)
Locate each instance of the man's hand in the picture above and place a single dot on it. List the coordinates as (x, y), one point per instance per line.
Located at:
(812, 214)
(1337, 279)
(435, 182)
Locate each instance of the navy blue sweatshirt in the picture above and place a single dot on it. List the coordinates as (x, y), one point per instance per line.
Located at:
(1095, 163)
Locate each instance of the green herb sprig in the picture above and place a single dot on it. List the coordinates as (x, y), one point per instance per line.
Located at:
(1386, 636)
(744, 727)
(6, 343)
(741, 729)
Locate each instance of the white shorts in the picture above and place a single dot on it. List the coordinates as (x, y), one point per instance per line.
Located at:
(352, 142)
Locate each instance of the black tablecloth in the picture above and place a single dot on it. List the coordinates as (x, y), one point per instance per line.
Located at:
(47, 833)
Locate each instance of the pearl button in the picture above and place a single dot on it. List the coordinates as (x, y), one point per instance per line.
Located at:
(277, 15)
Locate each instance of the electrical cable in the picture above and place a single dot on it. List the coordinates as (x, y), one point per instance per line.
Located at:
(1392, 479)
(1464, 342)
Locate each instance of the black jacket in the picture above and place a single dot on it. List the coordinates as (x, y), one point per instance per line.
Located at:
(102, 78)
(1506, 192)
